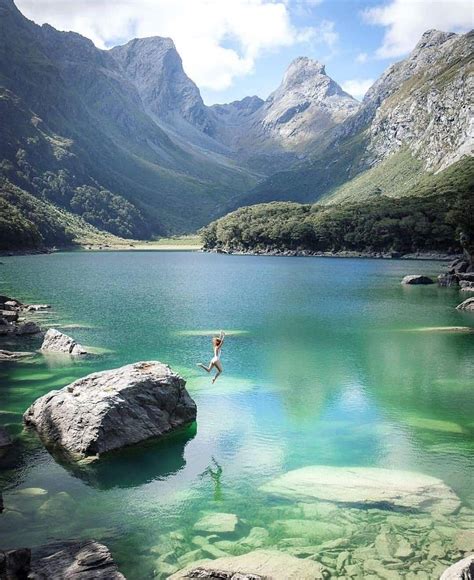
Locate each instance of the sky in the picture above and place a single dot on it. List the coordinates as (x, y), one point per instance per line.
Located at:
(235, 48)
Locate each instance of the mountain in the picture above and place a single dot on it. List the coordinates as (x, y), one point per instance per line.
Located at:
(121, 141)
(75, 132)
(304, 106)
(258, 134)
(413, 121)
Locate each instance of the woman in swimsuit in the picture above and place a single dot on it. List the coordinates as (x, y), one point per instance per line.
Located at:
(217, 343)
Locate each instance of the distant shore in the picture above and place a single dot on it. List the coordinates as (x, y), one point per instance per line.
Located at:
(173, 244)
(440, 256)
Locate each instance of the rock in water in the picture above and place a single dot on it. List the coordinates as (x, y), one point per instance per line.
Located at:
(217, 523)
(462, 570)
(466, 305)
(9, 355)
(365, 486)
(28, 328)
(112, 409)
(55, 341)
(416, 279)
(15, 563)
(257, 565)
(74, 560)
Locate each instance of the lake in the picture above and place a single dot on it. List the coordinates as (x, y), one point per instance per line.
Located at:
(328, 362)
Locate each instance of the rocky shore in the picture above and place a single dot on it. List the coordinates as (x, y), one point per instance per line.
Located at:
(341, 254)
(14, 317)
(84, 560)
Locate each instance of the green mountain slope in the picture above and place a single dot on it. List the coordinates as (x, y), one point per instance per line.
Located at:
(412, 123)
(74, 132)
(430, 219)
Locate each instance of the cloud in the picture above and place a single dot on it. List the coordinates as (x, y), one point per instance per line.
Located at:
(406, 20)
(326, 33)
(357, 87)
(362, 57)
(218, 41)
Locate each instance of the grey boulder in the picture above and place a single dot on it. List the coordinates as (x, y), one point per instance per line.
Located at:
(416, 279)
(87, 560)
(467, 305)
(462, 570)
(55, 341)
(112, 409)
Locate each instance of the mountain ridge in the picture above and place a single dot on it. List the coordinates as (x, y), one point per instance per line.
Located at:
(123, 138)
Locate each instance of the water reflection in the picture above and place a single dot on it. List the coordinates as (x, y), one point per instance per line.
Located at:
(137, 465)
(214, 472)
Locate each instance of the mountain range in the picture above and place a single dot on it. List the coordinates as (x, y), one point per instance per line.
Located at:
(120, 140)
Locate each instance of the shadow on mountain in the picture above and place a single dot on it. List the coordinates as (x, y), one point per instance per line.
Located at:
(136, 465)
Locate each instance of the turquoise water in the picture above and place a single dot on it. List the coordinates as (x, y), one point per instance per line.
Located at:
(327, 362)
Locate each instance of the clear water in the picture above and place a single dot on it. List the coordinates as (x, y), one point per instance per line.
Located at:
(327, 362)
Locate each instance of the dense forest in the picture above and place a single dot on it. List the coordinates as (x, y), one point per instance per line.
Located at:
(432, 218)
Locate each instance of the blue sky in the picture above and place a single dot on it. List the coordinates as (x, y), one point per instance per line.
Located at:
(235, 48)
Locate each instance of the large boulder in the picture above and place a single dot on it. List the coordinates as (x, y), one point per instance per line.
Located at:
(462, 570)
(417, 279)
(256, 565)
(86, 560)
(466, 305)
(55, 341)
(112, 409)
(366, 486)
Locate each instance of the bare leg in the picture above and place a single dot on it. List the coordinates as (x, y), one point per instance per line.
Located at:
(219, 369)
(207, 369)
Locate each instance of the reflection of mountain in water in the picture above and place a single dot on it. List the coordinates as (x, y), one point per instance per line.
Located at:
(136, 465)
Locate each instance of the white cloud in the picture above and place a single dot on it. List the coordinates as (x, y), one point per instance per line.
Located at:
(362, 57)
(406, 20)
(218, 40)
(357, 87)
(326, 33)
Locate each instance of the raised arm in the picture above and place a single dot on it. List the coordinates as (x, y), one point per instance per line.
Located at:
(222, 337)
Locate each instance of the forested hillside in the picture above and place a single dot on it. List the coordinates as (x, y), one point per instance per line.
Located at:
(432, 218)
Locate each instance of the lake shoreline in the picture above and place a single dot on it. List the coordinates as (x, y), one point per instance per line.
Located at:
(150, 247)
(438, 256)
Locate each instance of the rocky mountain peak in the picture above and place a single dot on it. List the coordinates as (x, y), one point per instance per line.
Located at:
(301, 70)
(154, 66)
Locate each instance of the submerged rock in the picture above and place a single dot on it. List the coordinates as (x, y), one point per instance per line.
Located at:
(8, 355)
(256, 565)
(55, 341)
(462, 570)
(466, 305)
(417, 279)
(112, 409)
(217, 523)
(365, 486)
(73, 560)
